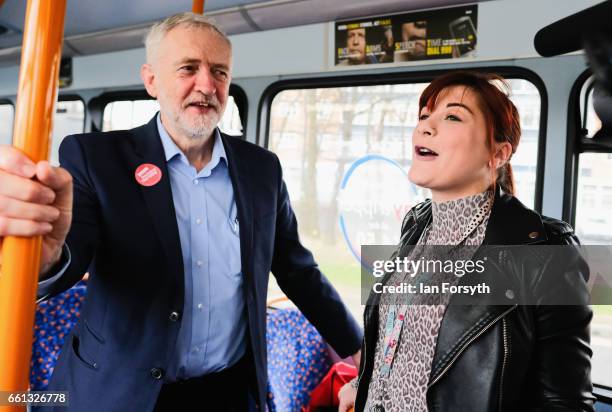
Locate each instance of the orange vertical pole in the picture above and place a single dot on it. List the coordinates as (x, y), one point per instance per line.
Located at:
(37, 91)
(198, 6)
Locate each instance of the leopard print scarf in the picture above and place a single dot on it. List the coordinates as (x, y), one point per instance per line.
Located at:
(457, 222)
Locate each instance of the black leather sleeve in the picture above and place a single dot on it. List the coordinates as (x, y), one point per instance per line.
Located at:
(561, 366)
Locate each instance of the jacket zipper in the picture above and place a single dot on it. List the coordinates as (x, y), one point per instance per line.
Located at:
(365, 360)
(506, 351)
(483, 330)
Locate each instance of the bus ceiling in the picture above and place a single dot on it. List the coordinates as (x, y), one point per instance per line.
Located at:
(98, 27)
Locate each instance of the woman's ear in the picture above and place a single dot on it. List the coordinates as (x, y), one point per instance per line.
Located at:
(502, 154)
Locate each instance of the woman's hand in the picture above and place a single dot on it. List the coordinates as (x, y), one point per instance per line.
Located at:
(347, 396)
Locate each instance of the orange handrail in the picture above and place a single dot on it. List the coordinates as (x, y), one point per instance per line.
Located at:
(38, 79)
(198, 6)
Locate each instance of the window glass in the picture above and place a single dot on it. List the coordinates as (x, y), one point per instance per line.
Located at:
(594, 227)
(69, 119)
(527, 100)
(7, 113)
(345, 153)
(593, 123)
(126, 114)
(230, 122)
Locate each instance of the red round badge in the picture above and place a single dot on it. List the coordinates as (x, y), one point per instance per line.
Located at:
(148, 174)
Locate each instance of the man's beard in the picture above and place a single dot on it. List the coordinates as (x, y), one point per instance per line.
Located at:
(200, 128)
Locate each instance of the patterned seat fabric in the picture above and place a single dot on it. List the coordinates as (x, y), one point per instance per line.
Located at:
(54, 320)
(297, 354)
(297, 359)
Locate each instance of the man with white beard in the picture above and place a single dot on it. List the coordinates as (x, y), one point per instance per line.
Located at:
(179, 227)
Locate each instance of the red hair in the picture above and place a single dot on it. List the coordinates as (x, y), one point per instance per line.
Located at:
(501, 116)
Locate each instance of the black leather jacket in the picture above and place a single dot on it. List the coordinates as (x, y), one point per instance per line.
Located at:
(503, 358)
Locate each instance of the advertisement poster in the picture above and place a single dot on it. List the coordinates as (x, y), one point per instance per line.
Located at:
(427, 35)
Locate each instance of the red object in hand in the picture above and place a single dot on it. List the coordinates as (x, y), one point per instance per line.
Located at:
(326, 393)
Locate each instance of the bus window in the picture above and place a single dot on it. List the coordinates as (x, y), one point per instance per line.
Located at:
(126, 114)
(345, 152)
(230, 122)
(527, 100)
(69, 119)
(7, 113)
(594, 199)
(594, 227)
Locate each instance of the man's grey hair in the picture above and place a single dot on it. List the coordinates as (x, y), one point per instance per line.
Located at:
(192, 20)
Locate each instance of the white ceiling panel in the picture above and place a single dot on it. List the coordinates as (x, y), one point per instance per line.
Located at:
(102, 26)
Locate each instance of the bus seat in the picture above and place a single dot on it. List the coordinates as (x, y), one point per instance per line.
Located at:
(297, 359)
(54, 320)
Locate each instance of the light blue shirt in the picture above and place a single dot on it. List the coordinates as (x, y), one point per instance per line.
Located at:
(212, 335)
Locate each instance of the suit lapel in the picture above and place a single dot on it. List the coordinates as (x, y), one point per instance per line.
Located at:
(240, 175)
(147, 148)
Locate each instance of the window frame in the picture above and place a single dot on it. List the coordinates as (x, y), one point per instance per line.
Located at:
(97, 105)
(71, 97)
(603, 393)
(510, 72)
(575, 146)
(68, 97)
(8, 101)
(577, 142)
(585, 102)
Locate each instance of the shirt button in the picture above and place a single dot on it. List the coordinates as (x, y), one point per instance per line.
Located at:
(199, 263)
(196, 181)
(198, 221)
(200, 306)
(157, 373)
(174, 316)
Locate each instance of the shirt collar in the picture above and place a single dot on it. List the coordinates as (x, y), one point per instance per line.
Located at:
(171, 149)
(454, 220)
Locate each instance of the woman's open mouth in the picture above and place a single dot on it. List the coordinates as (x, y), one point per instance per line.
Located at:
(424, 153)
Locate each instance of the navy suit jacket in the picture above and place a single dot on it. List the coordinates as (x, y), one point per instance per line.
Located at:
(127, 237)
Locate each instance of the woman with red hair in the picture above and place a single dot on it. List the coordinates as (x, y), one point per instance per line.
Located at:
(430, 355)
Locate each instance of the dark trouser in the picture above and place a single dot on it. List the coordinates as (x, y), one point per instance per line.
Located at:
(224, 391)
